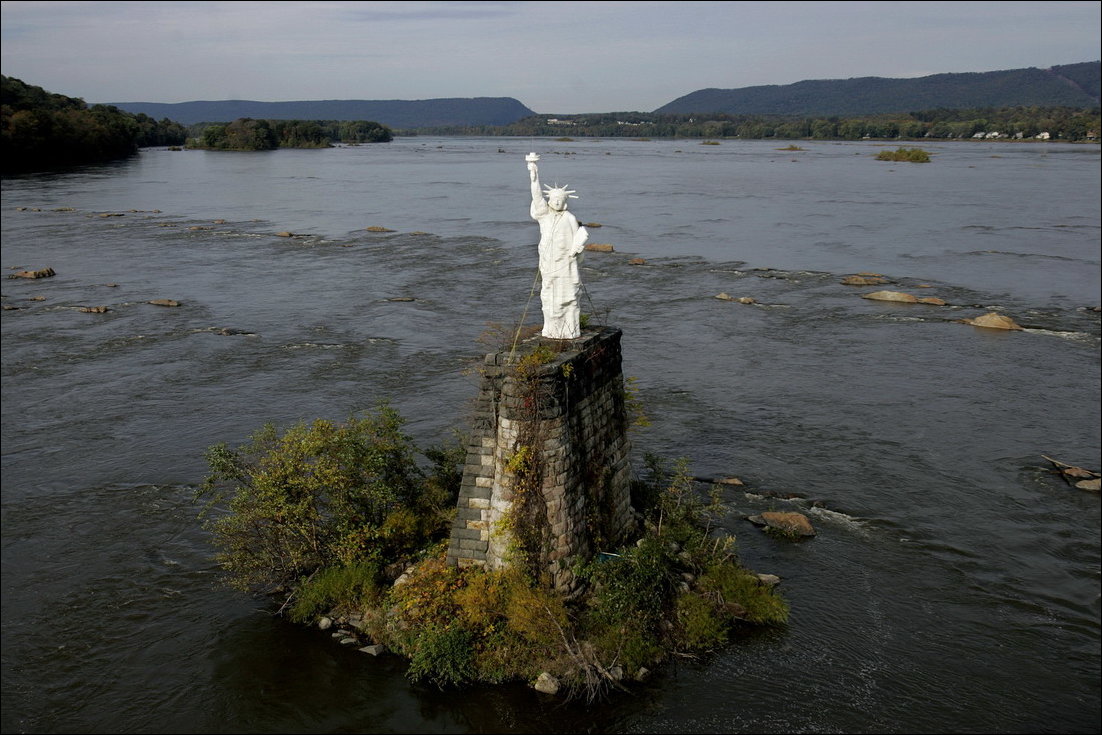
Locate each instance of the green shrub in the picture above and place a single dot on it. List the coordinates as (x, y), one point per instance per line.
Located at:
(442, 655)
(739, 595)
(913, 155)
(355, 586)
(635, 587)
(319, 495)
(698, 625)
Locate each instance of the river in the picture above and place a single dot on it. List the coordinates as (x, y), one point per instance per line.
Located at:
(954, 582)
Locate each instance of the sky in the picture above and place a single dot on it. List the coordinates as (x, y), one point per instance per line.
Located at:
(555, 57)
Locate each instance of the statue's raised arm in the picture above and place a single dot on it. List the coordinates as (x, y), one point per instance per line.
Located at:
(539, 205)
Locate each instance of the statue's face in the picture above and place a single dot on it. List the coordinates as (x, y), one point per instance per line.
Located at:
(557, 201)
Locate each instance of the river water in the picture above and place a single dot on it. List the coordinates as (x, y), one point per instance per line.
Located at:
(954, 582)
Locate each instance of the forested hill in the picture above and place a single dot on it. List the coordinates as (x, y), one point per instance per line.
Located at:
(1071, 85)
(402, 114)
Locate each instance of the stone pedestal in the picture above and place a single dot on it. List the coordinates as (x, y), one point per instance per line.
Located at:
(547, 480)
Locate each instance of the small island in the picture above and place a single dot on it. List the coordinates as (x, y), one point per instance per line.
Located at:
(247, 134)
(350, 527)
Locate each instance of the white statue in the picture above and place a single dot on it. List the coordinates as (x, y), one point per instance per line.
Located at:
(562, 241)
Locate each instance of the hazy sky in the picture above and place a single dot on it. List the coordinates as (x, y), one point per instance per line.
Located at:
(555, 57)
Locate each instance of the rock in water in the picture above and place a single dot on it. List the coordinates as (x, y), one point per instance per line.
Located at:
(547, 684)
(794, 524)
(992, 320)
(905, 298)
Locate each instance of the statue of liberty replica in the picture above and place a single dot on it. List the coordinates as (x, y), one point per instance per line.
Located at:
(562, 242)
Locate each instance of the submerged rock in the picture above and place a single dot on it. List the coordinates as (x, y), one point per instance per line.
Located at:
(637, 261)
(164, 302)
(864, 280)
(600, 247)
(94, 309)
(1077, 477)
(376, 228)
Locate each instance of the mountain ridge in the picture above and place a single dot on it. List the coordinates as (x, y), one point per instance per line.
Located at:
(1071, 85)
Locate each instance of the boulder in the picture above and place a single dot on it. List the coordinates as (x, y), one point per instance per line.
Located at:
(164, 302)
(793, 524)
(285, 233)
(724, 296)
(546, 683)
(599, 247)
(769, 580)
(637, 261)
(905, 298)
(993, 320)
(746, 300)
(325, 623)
(934, 300)
(863, 280)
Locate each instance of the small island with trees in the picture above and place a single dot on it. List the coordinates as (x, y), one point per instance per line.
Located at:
(346, 526)
(247, 134)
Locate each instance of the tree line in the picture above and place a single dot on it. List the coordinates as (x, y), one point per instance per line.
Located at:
(1061, 123)
(40, 130)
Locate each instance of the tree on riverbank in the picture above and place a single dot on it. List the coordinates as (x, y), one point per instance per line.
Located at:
(40, 130)
(1060, 123)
